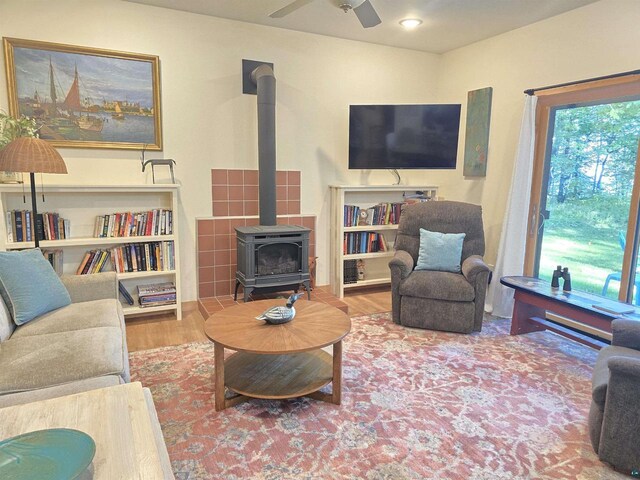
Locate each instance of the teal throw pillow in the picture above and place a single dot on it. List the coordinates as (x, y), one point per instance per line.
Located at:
(29, 285)
(440, 251)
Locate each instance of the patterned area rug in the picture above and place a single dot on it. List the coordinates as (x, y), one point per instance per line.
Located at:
(416, 405)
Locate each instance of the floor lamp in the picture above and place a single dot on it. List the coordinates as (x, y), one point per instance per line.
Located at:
(31, 155)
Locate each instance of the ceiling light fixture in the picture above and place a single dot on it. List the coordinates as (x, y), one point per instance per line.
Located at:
(410, 23)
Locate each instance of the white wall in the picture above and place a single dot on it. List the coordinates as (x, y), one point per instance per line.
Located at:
(207, 122)
(596, 40)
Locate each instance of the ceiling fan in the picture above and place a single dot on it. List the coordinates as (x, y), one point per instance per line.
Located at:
(362, 8)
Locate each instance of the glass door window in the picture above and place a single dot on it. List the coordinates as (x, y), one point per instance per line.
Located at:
(584, 191)
(587, 193)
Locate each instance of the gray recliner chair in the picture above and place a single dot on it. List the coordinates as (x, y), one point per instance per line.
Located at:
(614, 418)
(452, 302)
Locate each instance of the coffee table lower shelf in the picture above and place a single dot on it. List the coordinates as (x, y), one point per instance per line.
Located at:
(278, 376)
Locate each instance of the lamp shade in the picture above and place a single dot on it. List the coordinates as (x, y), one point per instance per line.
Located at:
(27, 154)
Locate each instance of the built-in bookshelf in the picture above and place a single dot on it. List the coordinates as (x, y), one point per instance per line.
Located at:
(83, 205)
(373, 239)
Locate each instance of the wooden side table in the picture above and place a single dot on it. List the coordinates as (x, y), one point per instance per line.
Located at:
(115, 417)
(277, 361)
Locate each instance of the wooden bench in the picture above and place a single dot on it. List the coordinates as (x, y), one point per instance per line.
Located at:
(535, 297)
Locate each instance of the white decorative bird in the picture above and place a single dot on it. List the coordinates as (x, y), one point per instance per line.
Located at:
(279, 315)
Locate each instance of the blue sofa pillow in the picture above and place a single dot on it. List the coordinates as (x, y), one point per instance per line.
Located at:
(440, 251)
(29, 285)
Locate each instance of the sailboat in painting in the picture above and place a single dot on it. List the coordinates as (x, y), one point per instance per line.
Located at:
(72, 104)
(62, 119)
(117, 114)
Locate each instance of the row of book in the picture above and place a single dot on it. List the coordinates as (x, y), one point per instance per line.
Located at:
(380, 214)
(94, 261)
(132, 257)
(48, 226)
(157, 294)
(350, 272)
(364, 242)
(127, 224)
(144, 257)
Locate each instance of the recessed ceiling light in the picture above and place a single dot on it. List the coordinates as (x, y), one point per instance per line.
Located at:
(410, 23)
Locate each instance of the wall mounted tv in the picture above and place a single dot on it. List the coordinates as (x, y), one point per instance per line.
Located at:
(403, 136)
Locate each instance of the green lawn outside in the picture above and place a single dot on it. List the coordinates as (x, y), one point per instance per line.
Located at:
(591, 253)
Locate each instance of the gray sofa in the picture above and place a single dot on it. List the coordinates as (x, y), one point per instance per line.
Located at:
(73, 349)
(614, 418)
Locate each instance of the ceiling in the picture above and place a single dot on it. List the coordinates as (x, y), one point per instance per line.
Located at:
(447, 24)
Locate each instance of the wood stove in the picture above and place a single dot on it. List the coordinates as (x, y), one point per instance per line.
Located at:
(273, 258)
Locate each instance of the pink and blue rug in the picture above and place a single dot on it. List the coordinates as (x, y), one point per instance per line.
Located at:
(416, 404)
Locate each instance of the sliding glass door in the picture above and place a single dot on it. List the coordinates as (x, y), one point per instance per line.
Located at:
(584, 205)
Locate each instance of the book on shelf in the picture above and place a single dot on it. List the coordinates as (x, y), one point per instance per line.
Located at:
(39, 227)
(11, 229)
(134, 224)
(156, 289)
(613, 308)
(418, 196)
(27, 224)
(54, 257)
(164, 297)
(125, 293)
(94, 261)
(157, 294)
(18, 223)
(158, 303)
(144, 257)
(48, 226)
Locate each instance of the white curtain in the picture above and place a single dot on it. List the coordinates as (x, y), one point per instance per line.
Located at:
(514, 228)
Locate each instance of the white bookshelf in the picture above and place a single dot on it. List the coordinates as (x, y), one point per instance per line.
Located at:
(81, 204)
(377, 263)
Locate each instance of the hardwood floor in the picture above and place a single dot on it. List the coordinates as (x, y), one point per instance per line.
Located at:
(366, 301)
(144, 333)
(155, 331)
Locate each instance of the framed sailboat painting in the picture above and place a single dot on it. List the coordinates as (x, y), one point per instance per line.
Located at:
(85, 97)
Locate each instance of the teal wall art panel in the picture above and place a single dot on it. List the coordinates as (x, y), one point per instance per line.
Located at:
(476, 146)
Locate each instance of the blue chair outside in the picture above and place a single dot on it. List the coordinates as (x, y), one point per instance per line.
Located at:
(617, 276)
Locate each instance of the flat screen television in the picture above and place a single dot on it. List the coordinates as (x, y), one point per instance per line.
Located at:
(403, 136)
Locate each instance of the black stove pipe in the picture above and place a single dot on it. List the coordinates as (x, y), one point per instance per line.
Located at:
(265, 80)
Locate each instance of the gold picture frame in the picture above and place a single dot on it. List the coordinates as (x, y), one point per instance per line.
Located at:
(84, 97)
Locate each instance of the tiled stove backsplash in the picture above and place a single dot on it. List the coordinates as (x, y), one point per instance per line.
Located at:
(235, 192)
(235, 203)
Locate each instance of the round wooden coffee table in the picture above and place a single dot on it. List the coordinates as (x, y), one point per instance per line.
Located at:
(277, 361)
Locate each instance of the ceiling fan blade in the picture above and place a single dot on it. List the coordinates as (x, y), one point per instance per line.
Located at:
(367, 14)
(293, 6)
